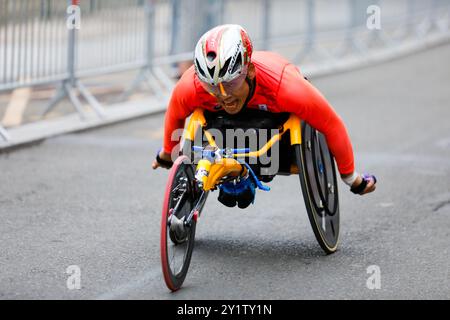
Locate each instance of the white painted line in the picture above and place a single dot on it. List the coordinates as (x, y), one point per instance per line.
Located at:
(386, 204)
(16, 107)
(4, 134)
(124, 289)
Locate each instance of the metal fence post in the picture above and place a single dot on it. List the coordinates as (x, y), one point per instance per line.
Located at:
(310, 41)
(351, 42)
(266, 25)
(441, 27)
(410, 17)
(68, 87)
(214, 14)
(432, 14)
(220, 11)
(378, 35)
(446, 23)
(158, 81)
(349, 36)
(174, 27)
(448, 18)
(424, 26)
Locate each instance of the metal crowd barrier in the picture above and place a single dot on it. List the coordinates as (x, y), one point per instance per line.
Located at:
(33, 41)
(38, 47)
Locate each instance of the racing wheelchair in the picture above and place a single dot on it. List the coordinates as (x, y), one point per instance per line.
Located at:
(203, 168)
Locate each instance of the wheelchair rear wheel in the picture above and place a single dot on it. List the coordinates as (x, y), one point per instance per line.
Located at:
(319, 186)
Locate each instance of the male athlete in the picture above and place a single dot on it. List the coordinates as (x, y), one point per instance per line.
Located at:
(228, 76)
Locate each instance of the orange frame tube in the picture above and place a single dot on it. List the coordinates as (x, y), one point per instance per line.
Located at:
(228, 166)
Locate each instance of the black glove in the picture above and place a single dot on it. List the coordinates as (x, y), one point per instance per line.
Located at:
(365, 180)
(163, 163)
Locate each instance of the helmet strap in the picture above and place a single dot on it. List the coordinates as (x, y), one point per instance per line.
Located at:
(251, 92)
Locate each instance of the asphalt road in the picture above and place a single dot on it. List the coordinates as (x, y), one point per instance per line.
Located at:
(92, 200)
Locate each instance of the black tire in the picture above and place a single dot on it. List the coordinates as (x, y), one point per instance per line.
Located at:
(173, 249)
(319, 185)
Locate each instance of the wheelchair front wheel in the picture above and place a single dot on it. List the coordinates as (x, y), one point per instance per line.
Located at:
(319, 187)
(177, 238)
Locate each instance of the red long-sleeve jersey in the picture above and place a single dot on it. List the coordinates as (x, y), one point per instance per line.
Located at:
(280, 87)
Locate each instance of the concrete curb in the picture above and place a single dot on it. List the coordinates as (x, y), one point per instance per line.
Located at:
(38, 131)
(34, 132)
(372, 58)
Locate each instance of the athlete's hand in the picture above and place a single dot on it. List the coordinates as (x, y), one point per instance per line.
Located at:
(370, 182)
(163, 160)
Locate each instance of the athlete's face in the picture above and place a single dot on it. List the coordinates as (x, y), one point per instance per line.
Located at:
(233, 100)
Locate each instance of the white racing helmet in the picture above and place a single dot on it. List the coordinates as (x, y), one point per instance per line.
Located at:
(222, 56)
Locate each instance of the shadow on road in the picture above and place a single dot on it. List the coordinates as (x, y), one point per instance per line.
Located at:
(257, 249)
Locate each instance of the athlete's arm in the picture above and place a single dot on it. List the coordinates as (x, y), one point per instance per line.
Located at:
(299, 96)
(179, 108)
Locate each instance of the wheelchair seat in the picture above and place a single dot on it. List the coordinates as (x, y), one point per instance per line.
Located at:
(251, 121)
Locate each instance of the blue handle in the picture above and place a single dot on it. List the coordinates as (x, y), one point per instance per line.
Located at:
(236, 151)
(209, 154)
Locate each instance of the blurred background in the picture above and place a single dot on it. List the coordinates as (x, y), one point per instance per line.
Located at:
(90, 198)
(130, 50)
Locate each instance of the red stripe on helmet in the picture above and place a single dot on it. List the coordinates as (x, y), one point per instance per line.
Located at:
(247, 45)
(213, 40)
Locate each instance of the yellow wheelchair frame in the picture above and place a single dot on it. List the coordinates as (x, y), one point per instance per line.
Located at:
(213, 172)
(187, 190)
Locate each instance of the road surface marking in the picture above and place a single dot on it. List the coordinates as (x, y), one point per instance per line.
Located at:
(16, 107)
(131, 286)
